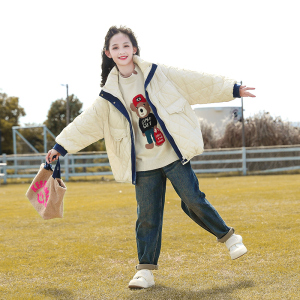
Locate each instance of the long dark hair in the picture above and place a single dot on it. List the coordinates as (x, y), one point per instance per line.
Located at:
(108, 63)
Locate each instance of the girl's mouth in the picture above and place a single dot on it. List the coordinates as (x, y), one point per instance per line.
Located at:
(122, 57)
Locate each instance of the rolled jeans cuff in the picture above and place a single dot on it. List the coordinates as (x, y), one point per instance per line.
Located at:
(226, 236)
(146, 266)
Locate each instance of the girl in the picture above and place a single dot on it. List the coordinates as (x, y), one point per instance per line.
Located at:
(151, 133)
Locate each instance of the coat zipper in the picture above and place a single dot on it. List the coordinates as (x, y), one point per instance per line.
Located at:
(160, 121)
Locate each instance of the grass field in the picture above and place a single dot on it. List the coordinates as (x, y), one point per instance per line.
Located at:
(91, 252)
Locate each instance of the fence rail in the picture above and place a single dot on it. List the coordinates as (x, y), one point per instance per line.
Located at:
(241, 160)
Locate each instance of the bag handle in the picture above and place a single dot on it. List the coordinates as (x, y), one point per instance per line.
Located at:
(56, 172)
(48, 167)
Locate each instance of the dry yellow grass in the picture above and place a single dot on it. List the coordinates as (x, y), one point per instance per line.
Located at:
(91, 252)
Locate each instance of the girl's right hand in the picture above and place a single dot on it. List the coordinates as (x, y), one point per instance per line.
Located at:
(50, 156)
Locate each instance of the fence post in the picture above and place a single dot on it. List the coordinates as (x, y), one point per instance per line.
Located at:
(73, 162)
(45, 139)
(15, 148)
(4, 160)
(67, 168)
(244, 158)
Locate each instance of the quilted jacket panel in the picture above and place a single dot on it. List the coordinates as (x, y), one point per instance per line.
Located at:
(199, 88)
(171, 91)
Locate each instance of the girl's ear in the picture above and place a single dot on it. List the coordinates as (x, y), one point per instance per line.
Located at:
(107, 53)
(134, 50)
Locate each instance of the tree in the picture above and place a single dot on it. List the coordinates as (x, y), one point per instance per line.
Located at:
(10, 112)
(56, 119)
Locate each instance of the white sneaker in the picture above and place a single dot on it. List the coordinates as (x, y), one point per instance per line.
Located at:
(142, 279)
(236, 246)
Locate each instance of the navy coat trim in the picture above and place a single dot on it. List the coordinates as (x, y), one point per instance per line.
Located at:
(60, 149)
(236, 91)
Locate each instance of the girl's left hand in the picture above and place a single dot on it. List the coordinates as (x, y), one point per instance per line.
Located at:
(244, 93)
(50, 154)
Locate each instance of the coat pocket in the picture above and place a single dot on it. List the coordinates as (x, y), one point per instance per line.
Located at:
(176, 106)
(117, 136)
(118, 133)
(180, 109)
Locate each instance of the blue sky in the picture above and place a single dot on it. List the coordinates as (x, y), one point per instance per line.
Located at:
(45, 44)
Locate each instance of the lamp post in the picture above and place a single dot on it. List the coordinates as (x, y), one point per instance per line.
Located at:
(244, 159)
(68, 106)
(243, 126)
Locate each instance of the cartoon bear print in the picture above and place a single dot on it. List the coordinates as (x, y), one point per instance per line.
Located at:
(147, 121)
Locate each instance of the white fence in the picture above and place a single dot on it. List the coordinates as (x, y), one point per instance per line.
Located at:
(242, 161)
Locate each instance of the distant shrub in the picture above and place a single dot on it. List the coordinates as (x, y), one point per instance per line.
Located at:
(209, 134)
(260, 130)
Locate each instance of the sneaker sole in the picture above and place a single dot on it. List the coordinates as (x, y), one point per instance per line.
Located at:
(140, 284)
(239, 254)
(137, 287)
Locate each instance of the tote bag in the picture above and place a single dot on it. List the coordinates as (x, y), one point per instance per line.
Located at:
(47, 191)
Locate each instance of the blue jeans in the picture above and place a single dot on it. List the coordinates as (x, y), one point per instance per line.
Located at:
(150, 196)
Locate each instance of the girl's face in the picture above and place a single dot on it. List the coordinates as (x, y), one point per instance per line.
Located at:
(121, 50)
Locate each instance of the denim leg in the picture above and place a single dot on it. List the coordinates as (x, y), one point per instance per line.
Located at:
(150, 195)
(193, 201)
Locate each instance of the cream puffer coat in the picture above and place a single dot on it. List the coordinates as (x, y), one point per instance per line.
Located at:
(170, 93)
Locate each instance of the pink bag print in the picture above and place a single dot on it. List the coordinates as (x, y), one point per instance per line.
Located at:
(47, 191)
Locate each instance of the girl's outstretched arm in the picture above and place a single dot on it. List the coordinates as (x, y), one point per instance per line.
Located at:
(202, 88)
(244, 93)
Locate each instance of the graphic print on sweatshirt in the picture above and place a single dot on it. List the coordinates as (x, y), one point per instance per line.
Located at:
(147, 122)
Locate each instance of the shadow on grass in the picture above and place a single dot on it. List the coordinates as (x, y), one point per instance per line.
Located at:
(166, 293)
(57, 293)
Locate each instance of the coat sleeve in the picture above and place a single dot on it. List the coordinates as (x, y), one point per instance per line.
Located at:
(86, 129)
(200, 88)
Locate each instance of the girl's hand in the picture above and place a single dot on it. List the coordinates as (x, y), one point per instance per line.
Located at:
(244, 93)
(50, 154)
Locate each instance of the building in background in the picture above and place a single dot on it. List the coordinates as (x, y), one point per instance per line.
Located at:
(218, 117)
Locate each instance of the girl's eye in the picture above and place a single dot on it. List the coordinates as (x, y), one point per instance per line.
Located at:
(115, 48)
